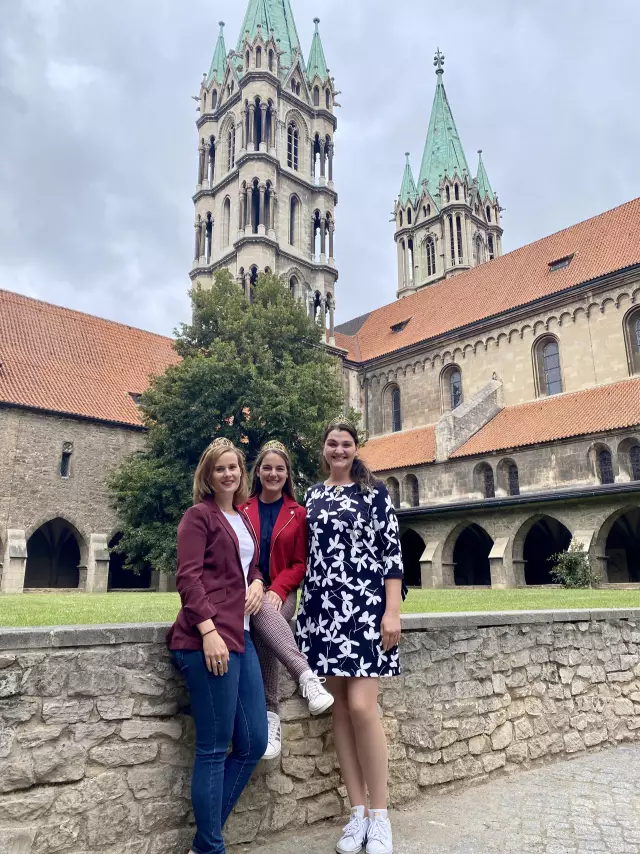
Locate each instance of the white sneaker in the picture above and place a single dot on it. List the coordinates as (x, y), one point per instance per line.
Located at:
(379, 839)
(354, 833)
(317, 697)
(274, 743)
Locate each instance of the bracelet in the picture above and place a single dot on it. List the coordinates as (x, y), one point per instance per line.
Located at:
(210, 632)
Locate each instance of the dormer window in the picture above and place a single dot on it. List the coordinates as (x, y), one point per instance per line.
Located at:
(561, 263)
(398, 327)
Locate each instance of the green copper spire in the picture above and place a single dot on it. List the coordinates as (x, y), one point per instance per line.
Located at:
(443, 152)
(408, 191)
(317, 63)
(219, 61)
(271, 15)
(484, 187)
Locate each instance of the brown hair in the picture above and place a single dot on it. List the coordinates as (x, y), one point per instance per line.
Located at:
(202, 478)
(360, 472)
(256, 486)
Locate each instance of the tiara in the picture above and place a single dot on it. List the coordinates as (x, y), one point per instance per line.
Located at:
(341, 421)
(274, 446)
(222, 443)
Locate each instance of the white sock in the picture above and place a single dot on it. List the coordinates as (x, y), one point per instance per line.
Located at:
(308, 674)
(379, 813)
(359, 811)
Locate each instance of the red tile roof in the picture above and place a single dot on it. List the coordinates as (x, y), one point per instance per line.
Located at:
(399, 450)
(595, 410)
(65, 361)
(599, 246)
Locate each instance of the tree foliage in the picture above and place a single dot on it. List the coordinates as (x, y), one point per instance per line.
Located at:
(249, 372)
(572, 568)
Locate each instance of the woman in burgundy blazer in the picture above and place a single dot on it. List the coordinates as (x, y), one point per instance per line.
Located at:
(220, 586)
(280, 526)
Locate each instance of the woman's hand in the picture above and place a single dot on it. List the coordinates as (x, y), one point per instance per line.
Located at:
(274, 599)
(216, 654)
(390, 629)
(255, 595)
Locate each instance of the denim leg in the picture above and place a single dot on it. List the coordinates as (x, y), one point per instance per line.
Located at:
(249, 731)
(213, 705)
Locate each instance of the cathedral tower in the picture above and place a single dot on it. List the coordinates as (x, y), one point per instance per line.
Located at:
(450, 221)
(265, 196)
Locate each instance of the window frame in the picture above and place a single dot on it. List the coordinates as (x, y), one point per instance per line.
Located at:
(543, 370)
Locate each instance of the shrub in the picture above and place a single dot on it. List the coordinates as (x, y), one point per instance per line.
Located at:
(572, 568)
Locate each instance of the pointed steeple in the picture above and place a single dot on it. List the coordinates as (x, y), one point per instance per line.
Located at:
(219, 60)
(317, 63)
(443, 152)
(408, 190)
(271, 15)
(484, 187)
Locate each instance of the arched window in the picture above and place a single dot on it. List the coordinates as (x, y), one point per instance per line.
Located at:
(293, 286)
(394, 491)
(293, 86)
(316, 96)
(412, 490)
(231, 148)
(459, 236)
(484, 481)
(452, 240)
(488, 213)
(605, 466)
(271, 60)
(401, 219)
(214, 99)
(457, 193)
(294, 215)
(258, 57)
(246, 60)
(293, 139)
(396, 411)
(298, 89)
(634, 460)
(632, 340)
(327, 98)
(478, 250)
(409, 217)
(204, 102)
(430, 250)
(492, 251)
(451, 382)
(226, 222)
(513, 479)
(548, 369)
(448, 193)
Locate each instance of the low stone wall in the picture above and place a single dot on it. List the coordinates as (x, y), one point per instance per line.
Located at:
(95, 751)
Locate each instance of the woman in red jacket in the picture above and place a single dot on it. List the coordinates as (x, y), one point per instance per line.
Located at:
(280, 526)
(221, 586)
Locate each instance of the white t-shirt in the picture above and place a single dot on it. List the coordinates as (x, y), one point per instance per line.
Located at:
(247, 550)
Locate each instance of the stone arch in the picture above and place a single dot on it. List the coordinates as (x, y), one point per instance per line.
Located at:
(617, 546)
(393, 488)
(465, 555)
(602, 463)
(411, 491)
(628, 454)
(56, 555)
(537, 538)
(508, 477)
(121, 578)
(413, 547)
(295, 116)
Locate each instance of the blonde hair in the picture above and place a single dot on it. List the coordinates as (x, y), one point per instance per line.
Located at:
(281, 451)
(202, 478)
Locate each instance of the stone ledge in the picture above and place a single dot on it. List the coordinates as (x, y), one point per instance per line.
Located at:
(56, 637)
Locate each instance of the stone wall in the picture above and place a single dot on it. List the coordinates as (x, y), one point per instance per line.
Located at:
(95, 751)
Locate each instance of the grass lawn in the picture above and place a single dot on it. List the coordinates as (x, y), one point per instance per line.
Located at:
(81, 609)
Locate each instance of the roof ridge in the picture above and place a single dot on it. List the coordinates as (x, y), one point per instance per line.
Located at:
(74, 311)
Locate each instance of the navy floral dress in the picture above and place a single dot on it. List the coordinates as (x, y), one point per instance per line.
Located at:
(354, 547)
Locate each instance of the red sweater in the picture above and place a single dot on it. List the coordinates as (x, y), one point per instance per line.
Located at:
(288, 562)
(210, 579)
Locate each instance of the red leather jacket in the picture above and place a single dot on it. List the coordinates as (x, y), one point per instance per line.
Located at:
(288, 561)
(210, 579)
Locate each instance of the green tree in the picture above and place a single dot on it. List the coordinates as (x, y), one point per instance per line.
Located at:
(249, 372)
(572, 568)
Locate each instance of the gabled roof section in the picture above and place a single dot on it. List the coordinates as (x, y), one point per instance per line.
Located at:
(408, 190)
(219, 61)
(271, 15)
(484, 187)
(399, 450)
(599, 246)
(443, 152)
(67, 362)
(317, 64)
(563, 416)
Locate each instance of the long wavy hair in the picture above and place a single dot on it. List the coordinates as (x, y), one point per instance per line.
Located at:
(360, 472)
(202, 479)
(256, 486)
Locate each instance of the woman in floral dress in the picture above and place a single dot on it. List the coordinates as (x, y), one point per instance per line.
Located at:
(348, 623)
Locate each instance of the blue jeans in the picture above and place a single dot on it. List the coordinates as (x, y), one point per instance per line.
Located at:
(226, 709)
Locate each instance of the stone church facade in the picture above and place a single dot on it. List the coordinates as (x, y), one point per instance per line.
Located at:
(500, 393)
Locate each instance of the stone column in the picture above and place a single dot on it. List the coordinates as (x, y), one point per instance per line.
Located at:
(323, 238)
(252, 113)
(247, 286)
(400, 265)
(202, 239)
(212, 163)
(274, 210)
(201, 162)
(447, 244)
(322, 158)
(241, 213)
(330, 161)
(263, 110)
(14, 562)
(313, 237)
(98, 564)
(332, 228)
(274, 124)
(331, 320)
(247, 209)
(262, 190)
(313, 159)
(196, 251)
(243, 138)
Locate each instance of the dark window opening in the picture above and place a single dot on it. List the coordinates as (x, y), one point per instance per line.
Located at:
(457, 193)
(65, 464)
(489, 482)
(551, 368)
(561, 263)
(431, 257)
(459, 236)
(634, 457)
(455, 388)
(398, 327)
(396, 412)
(605, 466)
(492, 251)
(513, 479)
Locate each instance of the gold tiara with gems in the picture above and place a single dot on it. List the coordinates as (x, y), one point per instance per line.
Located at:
(274, 446)
(342, 421)
(222, 443)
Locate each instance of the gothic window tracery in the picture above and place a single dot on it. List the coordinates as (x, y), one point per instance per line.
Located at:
(294, 216)
(548, 367)
(605, 466)
(513, 479)
(451, 383)
(632, 340)
(327, 98)
(293, 145)
(492, 253)
(452, 240)
(316, 96)
(430, 251)
(459, 239)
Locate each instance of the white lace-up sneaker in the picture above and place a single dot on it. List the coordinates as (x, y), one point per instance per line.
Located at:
(317, 697)
(354, 833)
(274, 743)
(379, 839)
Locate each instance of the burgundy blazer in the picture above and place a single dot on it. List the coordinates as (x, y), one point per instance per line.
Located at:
(210, 579)
(288, 562)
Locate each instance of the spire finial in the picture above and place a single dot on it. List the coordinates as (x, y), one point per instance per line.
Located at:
(316, 21)
(221, 24)
(407, 154)
(438, 61)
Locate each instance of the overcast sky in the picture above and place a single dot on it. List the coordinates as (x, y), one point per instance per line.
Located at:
(98, 144)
